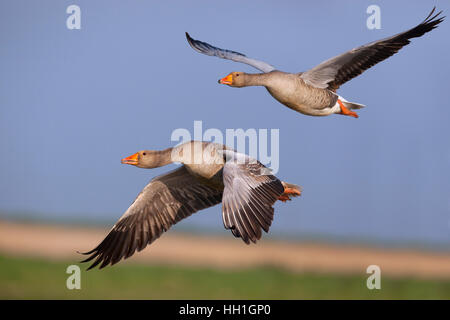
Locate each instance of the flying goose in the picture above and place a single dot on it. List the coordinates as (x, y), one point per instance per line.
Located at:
(211, 173)
(314, 92)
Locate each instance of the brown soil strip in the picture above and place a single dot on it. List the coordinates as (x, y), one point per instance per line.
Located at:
(62, 242)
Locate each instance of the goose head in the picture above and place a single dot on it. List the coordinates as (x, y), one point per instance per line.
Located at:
(147, 159)
(234, 79)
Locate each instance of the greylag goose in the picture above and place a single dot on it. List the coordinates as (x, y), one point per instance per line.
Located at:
(211, 173)
(314, 92)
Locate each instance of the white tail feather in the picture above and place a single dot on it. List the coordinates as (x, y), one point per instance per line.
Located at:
(353, 105)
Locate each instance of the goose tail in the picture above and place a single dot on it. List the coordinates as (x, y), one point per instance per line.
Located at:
(352, 105)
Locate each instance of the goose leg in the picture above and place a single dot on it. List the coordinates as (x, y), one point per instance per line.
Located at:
(288, 193)
(346, 111)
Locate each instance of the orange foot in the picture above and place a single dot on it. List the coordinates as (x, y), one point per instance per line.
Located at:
(345, 111)
(284, 198)
(288, 193)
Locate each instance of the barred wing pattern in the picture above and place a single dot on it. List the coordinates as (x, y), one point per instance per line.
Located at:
(336, 71)
(248, 199)
(166, 200)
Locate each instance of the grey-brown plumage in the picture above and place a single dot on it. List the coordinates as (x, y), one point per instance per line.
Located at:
(163, 202)
(248, 197)
(336, 71)
(244, 186)
(314, 92)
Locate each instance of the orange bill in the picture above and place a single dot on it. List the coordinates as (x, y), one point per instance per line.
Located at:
(227, 80)
(133, 159)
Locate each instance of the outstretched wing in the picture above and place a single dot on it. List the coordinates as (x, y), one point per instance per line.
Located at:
(249, 194)
(163, 202)
(210, 50)
(336, 71)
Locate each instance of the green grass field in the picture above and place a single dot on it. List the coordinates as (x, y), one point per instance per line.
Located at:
(29, 278)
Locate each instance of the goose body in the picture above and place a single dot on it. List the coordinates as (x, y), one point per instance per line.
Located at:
(314, 92)
(210, 174)
(292, 91)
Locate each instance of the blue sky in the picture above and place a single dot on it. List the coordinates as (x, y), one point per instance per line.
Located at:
(74, 102)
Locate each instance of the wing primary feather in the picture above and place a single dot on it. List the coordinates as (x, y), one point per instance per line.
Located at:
(207, 49)
(166, 200)
(336, 71)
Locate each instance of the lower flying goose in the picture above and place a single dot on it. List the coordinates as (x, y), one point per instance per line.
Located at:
(211, 173)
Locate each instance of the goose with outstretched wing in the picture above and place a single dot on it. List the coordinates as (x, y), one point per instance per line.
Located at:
(314, 92)
(211, 174)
